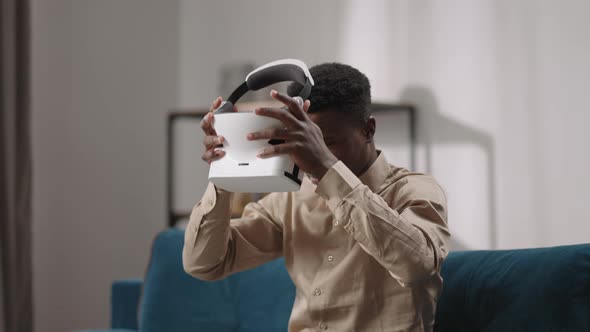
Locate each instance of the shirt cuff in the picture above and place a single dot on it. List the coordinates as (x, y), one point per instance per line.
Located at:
(337, 183)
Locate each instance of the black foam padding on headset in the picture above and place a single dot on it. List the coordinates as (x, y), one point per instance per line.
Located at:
(276, 74)
(306, 91)
(238, 93)
(266, 77)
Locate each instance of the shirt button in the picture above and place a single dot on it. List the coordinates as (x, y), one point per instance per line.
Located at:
(330, 258)
(336, 223)
(323, 326)
(317, 292)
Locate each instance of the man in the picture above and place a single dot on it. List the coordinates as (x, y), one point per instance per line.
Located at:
(363, 240)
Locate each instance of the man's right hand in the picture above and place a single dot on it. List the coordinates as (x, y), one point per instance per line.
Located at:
(213, 142)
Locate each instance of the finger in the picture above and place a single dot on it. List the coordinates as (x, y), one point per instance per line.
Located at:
(280, 114)
(274, 133)
(215, 104)
(213, 154)
(213, 141)
(306, 106)
(291, 103)
(208, 119)
(276, 150)
(207, 125)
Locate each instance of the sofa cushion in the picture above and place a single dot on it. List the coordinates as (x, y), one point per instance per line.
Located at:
(545, 289)
(172, 300)
(263, 298)
(125, 296)
(108, 330)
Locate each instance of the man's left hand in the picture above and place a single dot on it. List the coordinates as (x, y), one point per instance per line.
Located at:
(304, 141)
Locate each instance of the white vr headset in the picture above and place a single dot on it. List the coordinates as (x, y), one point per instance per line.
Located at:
(240, 170)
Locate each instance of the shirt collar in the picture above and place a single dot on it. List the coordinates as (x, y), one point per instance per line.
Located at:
(377, 172)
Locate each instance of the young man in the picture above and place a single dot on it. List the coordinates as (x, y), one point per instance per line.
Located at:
(363, 240)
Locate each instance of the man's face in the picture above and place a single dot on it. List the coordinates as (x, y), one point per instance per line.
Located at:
(345, 138)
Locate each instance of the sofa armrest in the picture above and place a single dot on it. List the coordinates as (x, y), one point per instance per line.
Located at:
(125, 296)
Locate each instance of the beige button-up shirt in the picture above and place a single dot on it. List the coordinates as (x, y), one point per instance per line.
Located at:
(364, 253)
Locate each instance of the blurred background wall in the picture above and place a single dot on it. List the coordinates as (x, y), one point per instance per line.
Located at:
(500, 88)
(104, 74)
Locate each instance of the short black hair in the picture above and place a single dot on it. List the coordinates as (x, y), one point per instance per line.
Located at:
(340, 87)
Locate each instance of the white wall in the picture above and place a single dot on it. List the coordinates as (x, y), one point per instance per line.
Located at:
(104, 75)
(560, 86)
(225, 31)
(515, 72)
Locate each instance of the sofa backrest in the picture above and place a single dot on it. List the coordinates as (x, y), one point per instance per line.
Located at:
(544, 289)
(256, 300)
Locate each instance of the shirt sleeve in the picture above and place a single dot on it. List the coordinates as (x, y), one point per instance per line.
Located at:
(216, 246)
(408, 240)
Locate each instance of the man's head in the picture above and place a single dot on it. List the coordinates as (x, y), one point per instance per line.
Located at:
(340, 101)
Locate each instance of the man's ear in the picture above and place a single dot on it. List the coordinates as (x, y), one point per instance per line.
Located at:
(369, 129)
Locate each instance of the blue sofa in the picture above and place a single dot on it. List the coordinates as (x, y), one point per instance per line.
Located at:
(545, 289)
